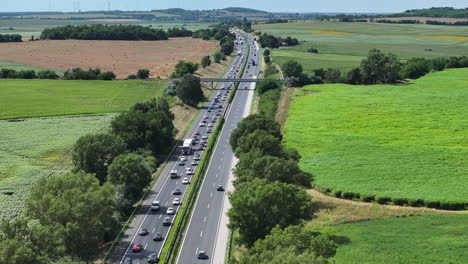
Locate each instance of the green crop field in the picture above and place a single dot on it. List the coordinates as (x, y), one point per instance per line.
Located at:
(32, 98)
(350, 42)
(400, 141)
(19, 66)
(437, 239)
(38, 147)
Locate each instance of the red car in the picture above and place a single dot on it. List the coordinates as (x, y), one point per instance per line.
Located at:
(197, 133)
(137, 247)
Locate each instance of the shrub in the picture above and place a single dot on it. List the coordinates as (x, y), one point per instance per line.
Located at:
(47, 74)
(143, 73)
(132, 77)
(337, 194)
(7, 73)
(106, 76)
(399, 201)
(382, 200)
(368, 198)
(312, 50)
(348, 195)
(266, 52)
(333, 76)
(416, 202)
(26, 74)
(432, 204)
(266, 85)
(267, 59)
(270, 70)
(452, 206)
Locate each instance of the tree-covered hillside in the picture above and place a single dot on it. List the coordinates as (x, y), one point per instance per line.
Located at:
(435, 12)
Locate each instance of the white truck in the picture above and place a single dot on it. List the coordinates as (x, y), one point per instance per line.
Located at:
(187, 146)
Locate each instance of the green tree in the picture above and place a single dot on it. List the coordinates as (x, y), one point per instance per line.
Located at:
(132, 171)
(147, 126)
(218, 56)
(259, 140)
(93, 153)
(268, 84)
(380, 68)
(353, 76)
(189, 90)
(143, 73)
(267, 59)
(259, 206)
(182, 68)
(266, 52)
(227, 48)
(269, 168)
(292, 69)
(250, 124)
(205, 61)
(294, 244)
(416, 67)
(78, 206)
(23, 241)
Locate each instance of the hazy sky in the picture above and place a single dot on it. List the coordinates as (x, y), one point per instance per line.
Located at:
(268, 5)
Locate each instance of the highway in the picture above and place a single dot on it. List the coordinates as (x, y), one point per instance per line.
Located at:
(202, 232)
(162, 191)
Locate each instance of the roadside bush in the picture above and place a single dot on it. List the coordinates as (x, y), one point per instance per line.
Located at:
(270, 70)
(218, 56)
(383, 200)
(267, 59)
(399, 201)
(268, 103)
(182, 68)
(266, 52)
(205, 61)
(47, 74)
(268, 84)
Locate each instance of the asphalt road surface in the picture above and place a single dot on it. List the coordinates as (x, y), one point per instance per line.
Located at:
(204, 224)
(162, 191)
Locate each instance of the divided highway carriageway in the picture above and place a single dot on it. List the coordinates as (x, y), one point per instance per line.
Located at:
(161, 206)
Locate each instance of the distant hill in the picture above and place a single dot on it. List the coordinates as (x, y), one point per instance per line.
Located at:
(243, 10)
(447, 12)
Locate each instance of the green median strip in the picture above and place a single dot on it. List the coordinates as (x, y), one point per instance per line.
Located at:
(175, 237)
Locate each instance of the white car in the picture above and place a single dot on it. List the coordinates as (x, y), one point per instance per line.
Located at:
(176, 201)
(185, 181)
(170, 211)
(210, 125)
(189, 171)
(202, 125)
(183, 158)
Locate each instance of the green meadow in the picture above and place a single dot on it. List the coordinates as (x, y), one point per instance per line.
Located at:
(343, 45)
(38, 147)
(438, 239)
(33, 98)
(18, 66)
(404, 141)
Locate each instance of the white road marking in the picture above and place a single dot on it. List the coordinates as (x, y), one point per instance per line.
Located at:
(201, 233)
(211, 194)
(167, 202)
(154, 228)
(204, 220)
(160, 216)
(208, 205)
(176, 182)
(196, 251)
(146, 245)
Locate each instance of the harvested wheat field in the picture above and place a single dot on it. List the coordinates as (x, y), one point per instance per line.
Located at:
(121, 57)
